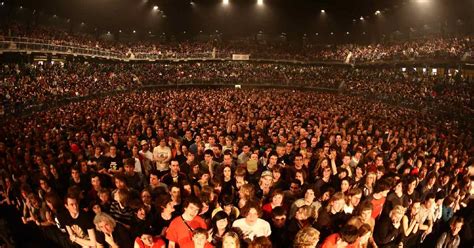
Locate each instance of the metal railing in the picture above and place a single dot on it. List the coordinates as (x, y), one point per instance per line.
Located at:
(30, 45)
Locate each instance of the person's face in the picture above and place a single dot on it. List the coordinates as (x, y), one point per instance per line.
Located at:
(301, 214)
(154, 180)
(277, 200)
(429, 203)
(146, 197)
(135, 150)
(412, 185)
(279, 221)
(456, 228)
(44, 185)
(95, 181)
(175, 192)
(309, 195)
(327, 172)
(192, 210)
(129, 168)
(415, 208)
(366, 214)
(294, 188)
(252, 216)
(105, 227)
(75, 174)
(227, 172)
(169, 207)
(298, 162)
(147, 239)
(119, 184)
(104, 197)
(344, 185)
(229, 242)
(355, 200)
(72, 206)
(141, 214)
(113, 150)
(276, 175)
(299, 177)
(338, 205)
(396, 218)
(174, 166)
(96, 208)
(222, 224)
(162, 143)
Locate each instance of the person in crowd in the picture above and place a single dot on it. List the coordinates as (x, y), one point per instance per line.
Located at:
(451, 238)
(388, 231)
(111, 233)
(251, 225)
(307, 237)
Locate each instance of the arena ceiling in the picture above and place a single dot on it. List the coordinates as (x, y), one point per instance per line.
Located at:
(246, 17)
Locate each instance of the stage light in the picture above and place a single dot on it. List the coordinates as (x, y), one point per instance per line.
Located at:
(134, 31)
(361, 18)
(3, 3)
(120, 31)
(260, 2)
(155, 8)
(347, 33)
(377, 12)
(21, 7)
(225, 2)
(332, 33)
(323, 11)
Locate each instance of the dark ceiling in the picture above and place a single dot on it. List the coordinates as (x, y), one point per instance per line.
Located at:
(245, 17)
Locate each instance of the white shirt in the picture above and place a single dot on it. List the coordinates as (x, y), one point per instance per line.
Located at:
(258, 229)
(162, 152)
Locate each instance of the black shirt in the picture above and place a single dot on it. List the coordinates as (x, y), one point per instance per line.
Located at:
(121, 237)
(79, 225)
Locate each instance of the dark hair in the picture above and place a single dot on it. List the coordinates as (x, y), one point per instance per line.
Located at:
(429, 196)
(249, 205)
(349, 234)
(278, 211)
(192, 200)
(219, 216)
(381, 185)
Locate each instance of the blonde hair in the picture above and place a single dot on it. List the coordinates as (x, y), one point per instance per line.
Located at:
(233, 236)
(306, 237)
(398, 209)
(103, 217)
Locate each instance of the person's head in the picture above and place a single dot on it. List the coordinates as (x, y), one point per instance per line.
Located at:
(129, 165)
(355, 194)
(104, 195)
(365, 232)
(220, 221)
(246, 191)
(175, 192)
(71, 202)
(95, 181)
(230, 240)
(121, 196)
(146, 235)
(104, 223)
(307, 237)
(260, 242)
(52, 201)
(277, 197)
(415, 206)
(164, 203)
(349, 234)
(456, 224)
(279, 217)
(174, 166)
(397, 213)
(345, 185)
(120, 181)
(154, 178)
(199, 237)
(303, 213)
(365, 211)
(382, 188)
(336, 203)
(429, 200)
(309, 194)
(252, 212)
(191, 206)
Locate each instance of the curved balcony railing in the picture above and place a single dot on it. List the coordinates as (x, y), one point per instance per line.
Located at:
(29, 45)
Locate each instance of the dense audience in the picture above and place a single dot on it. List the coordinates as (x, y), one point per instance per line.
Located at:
(26, 85)
(235, 168)
(445, 48)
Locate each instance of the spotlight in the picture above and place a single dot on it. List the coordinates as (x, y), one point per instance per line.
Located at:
(361, 18)
(260, 2)
(347, 33)
(225, 2)
(377, 12)
(155, 8)
(3, 3)
(323, 11)
(134, 31)
(120, 31)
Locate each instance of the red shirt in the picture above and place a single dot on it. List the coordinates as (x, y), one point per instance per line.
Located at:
(157, 243)
(378, 207)
(180, 233)
(331, 242)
